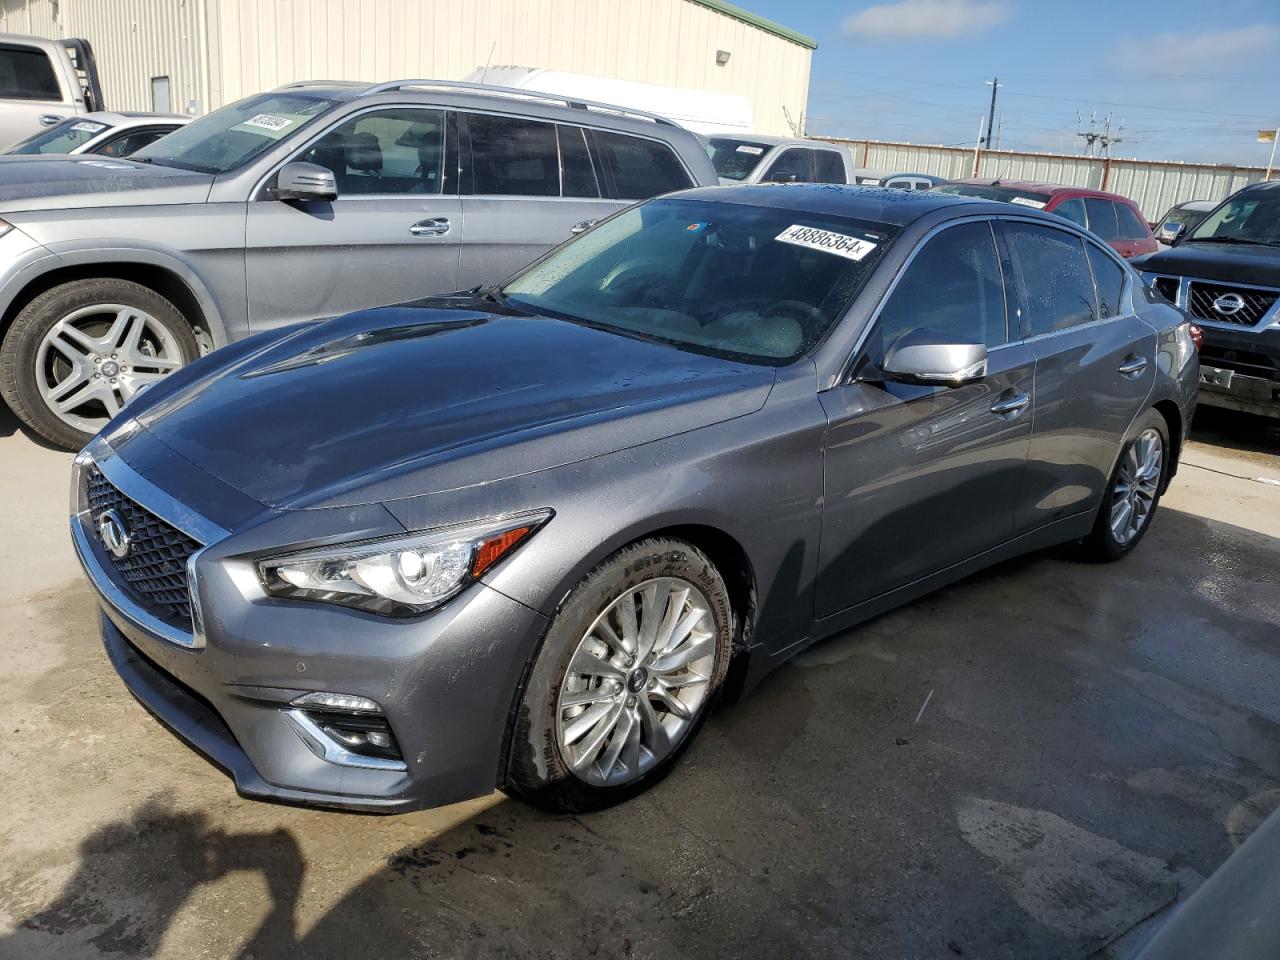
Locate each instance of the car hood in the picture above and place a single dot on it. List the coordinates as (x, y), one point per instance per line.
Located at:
(1229, 262)
(414, 399)
(61, 182)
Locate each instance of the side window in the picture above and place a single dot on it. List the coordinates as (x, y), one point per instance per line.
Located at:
(27, 74)
(828, 167)
(1108, 276)
(791, 164)
(639, 168)
(1102, 218)
(952, 292)
(578, 177)
(384, 152)
(1072, 210)
(127, 143)
(511, 156)
(1132, 226)
(1054, 275)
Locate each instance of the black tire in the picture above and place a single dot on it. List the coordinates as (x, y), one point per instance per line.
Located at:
(1102, 545)
(21, 345)
(537, 772)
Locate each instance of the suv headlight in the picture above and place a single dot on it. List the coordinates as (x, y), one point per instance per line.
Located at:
(399, 576)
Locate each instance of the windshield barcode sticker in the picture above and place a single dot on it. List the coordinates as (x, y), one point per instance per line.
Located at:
(851, 248)
(88, 126)
(268, 121)
(754, 151)
(1028, 202)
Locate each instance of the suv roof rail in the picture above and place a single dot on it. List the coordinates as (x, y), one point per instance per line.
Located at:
(296, 84)
(575, 103)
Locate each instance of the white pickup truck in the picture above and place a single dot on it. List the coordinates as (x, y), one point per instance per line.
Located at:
(43, 82)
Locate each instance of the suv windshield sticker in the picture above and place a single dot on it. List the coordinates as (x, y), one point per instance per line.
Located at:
(754, 151)
(1028, 202)
(842, 245)
(88, 126)
(273, 124)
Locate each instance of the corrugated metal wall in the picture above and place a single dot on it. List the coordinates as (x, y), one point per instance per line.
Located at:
(256, 46)
(1154, 185)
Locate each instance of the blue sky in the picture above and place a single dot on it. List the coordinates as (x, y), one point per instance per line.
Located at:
(1191, 80)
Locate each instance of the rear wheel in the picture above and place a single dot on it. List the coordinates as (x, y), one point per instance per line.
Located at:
(78, 353)
(628, 671)
(1134, 492)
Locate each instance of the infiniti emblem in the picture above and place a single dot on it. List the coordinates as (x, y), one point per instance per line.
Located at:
(114, 534)
(1228, 304)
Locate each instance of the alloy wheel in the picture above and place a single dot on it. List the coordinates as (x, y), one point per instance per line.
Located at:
(1137, 484)
(97, 358)
(636, 682)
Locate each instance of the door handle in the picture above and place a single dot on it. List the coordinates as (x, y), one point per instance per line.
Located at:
(49, 119)
(434, 227)
(582, 226)
(1011, 404)
(1132, 366)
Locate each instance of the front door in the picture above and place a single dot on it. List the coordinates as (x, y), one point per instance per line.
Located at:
(1095, 367)
(392, 235)
(919, 478)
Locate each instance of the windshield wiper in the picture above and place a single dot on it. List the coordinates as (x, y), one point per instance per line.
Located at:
(1244, 240)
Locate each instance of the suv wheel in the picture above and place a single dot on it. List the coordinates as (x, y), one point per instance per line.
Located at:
(1134, 492)
(79, 352)
(628, 671)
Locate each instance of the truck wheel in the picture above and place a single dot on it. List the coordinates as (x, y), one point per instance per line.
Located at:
(79, 352)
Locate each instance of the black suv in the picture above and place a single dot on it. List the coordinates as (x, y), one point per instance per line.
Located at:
(1226, 274)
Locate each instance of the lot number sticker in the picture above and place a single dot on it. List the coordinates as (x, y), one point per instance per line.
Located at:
(842, 245)
(268, 121)
(754, 151)
(88, 126)
(1028, 202)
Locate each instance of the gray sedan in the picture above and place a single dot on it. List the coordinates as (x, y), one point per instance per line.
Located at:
(524, 537)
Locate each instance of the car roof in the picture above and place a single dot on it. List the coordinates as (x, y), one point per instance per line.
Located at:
(133, 118)
(1197, 206)
(879, 204)
(1034, 186)
(1266, 185)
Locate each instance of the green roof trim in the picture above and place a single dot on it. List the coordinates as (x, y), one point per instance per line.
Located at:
(777, 29)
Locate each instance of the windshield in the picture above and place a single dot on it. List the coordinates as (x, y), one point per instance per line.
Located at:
(750, 283)
(1025, 198)
(231, 137)
(1246, 218)
(61, 138)
(735, 159)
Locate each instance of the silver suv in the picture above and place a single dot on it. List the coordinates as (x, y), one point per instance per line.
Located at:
(310, 200)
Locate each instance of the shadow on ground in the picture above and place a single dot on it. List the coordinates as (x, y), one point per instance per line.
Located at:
(1027, 764)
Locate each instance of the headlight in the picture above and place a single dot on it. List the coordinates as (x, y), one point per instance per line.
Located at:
(400, 576)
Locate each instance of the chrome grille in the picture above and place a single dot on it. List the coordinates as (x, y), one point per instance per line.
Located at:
(155, 568)
(1256, 303)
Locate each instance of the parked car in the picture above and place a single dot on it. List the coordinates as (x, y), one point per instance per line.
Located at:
(1181, 218)
(1114, 218)
(43, 82)
(520, 538)
(1225, 273)
(103, 133)
(310, 200)
(899, 181)
(756, 158)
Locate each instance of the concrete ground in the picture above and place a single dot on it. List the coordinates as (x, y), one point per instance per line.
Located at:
(1032, 763)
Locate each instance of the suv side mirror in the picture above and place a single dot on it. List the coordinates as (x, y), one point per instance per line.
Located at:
(1170, 230)
(305, 181)
(783, 176)
(936, 364)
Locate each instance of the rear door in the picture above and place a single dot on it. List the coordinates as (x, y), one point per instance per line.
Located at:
(1135, 236)
(31, 96)
(919, 478)
(1103, 223)
(1095, 366)
(392, 235)
(526, 186)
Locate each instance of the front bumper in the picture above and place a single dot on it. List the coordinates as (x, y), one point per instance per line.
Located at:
(1240, 370)
(445, 682)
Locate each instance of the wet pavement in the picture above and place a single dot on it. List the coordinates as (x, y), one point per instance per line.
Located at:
(1031, 763)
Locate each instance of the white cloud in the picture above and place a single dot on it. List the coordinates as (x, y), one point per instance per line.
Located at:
(1208, 52)
(927, 18)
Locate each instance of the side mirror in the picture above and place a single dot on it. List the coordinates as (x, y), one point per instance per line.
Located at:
(305, 181)
(782, 176)
(936, 364)
(1169, 230)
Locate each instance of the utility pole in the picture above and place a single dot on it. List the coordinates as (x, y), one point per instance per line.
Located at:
(1000, 130)
(994, 84)
(977, 147)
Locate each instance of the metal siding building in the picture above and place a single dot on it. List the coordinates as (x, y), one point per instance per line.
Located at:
(217, 51)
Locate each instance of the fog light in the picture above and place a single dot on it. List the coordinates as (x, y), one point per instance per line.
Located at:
(345, 702)
(363, 735)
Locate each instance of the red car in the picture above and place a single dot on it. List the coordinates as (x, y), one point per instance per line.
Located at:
(1111, 217)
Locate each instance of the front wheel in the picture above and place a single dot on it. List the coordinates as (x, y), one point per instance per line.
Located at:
(627, 673)
(77, 353)
(1134, 492)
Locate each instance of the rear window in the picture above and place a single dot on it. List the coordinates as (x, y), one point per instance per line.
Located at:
(827, 167)
(735, 159)
(27, 74)
(1026, 198)
(639, 168)
(1102, 218)
(1132, 226)
(513, 157)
